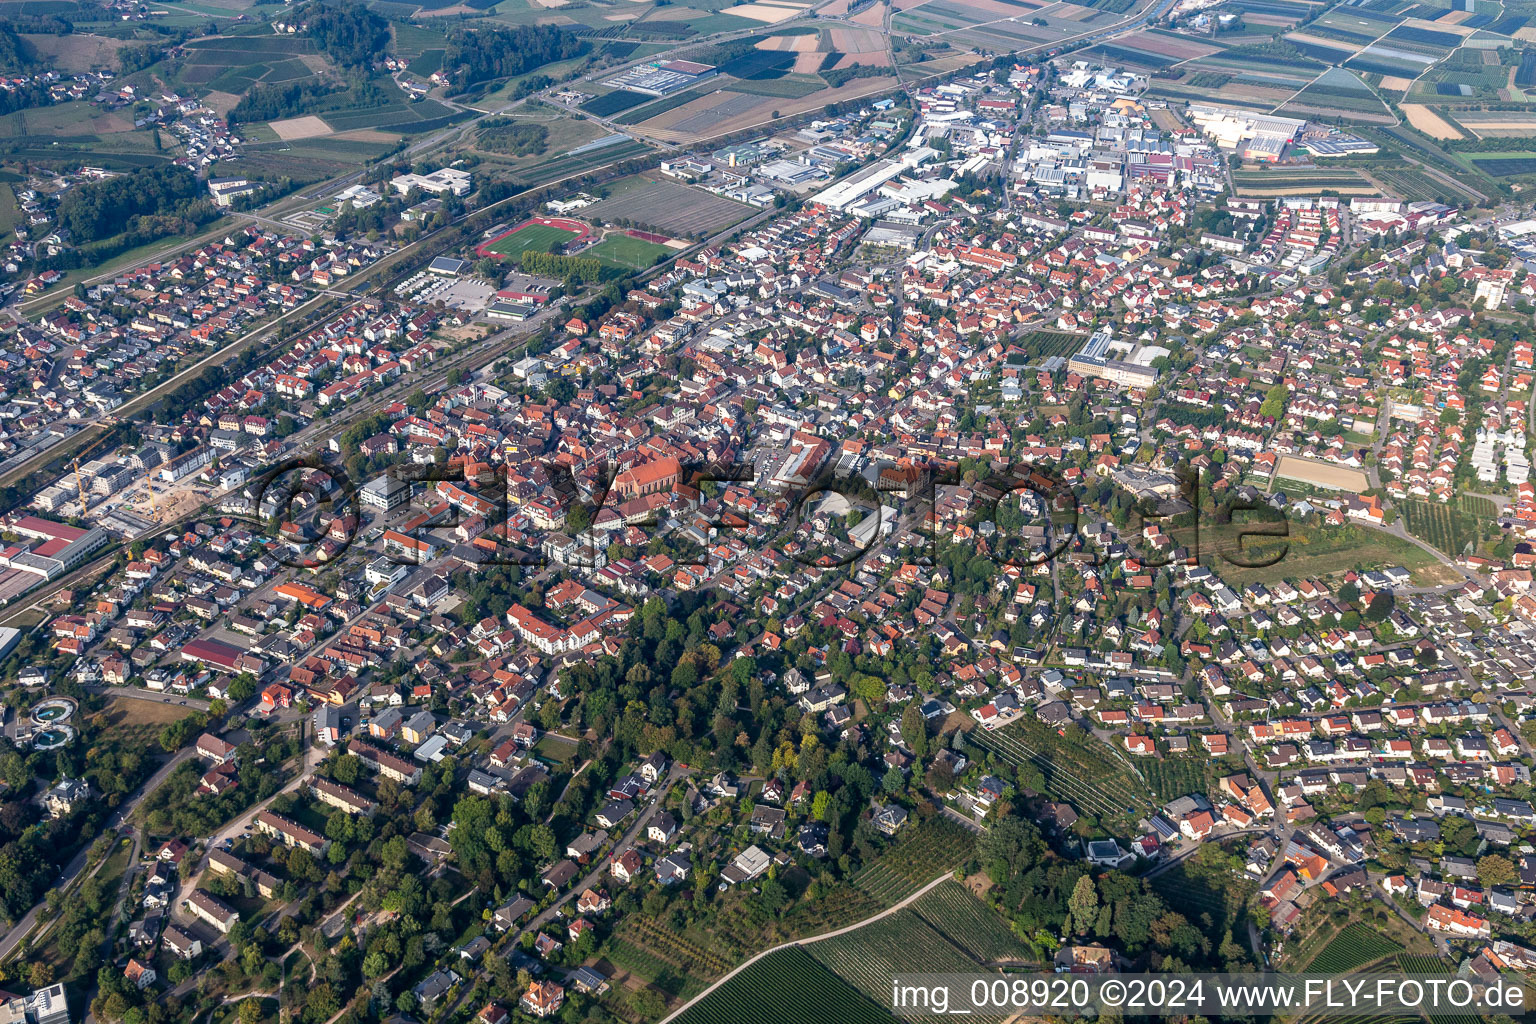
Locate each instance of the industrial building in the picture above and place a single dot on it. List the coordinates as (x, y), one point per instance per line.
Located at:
(662, 77)
(1252, 136)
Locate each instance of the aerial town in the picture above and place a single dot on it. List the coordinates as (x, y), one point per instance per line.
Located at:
(600, 552)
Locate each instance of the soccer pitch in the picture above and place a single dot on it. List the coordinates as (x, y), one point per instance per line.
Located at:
(538, 237)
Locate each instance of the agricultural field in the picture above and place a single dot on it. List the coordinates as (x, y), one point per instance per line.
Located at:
(1275, 13)
(710, 115)
(412, 41)
(960, 916)
(997, 26)
(1339, 93)
(1354, 946)
(1448, 528)
(666, 103)
(1421, 964)
(578, 161)
(664, 957)
(233, 64)
(1083, 771)
(915, 858)
(1352, 25)
(1239, 78)
(904, 943)
(668, 207)
(934, 846)
(1386, 968)
(1045, 344)
(1173, 777)
(1286, 181)
(1468, 73)
(1468, 176)
(1505, 165)
(787, 987)
(868, 957)
(611, 103)
(79, 132)
(1414, 185)
(314, 157)
(1486, 124)
(642, 962)
(509, 142)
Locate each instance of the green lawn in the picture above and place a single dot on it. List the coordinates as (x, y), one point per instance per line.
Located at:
(539, 237)
(625, 251)
(554, 748)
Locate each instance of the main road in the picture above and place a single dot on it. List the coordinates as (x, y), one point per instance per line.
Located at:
(71, 872)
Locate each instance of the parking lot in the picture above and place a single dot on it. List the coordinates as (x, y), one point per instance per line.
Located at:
(468, 294)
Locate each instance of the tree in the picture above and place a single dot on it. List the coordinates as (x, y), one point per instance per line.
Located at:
(1083, 904)
(1496, 869)
(1380, 607)
(1009, 848)
(375, 964)
(914, 731)
(1274, 402)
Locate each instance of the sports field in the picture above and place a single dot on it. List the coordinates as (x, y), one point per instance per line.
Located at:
(540, 234)
(627, 251)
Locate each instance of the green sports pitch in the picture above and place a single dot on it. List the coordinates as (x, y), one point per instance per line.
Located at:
(627, 251)
(537, 237)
